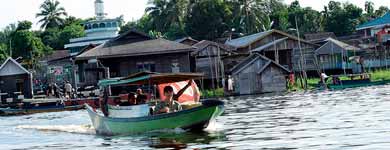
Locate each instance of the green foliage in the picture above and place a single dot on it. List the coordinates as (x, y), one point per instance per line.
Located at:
(24, 25)
(57, 38)
(342, 19)
(213, 19)
(69, 32)
(207, 19)
(212, 93)
(380, 75)
(51, 14)
(307, 19)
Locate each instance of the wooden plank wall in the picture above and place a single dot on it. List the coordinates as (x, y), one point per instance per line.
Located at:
(310, 59)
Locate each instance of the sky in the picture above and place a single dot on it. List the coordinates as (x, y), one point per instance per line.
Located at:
(13, 11)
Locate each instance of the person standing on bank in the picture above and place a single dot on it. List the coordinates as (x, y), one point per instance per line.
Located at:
(171, 104)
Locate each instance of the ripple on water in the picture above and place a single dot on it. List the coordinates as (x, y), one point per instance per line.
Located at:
(346, 119)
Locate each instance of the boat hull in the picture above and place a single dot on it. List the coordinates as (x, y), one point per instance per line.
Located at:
(355, 85)
(193, 119)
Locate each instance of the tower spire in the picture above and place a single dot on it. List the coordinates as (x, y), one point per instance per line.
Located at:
(99, 9)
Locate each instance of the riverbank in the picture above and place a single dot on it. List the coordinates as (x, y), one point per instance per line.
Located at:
(376, 75)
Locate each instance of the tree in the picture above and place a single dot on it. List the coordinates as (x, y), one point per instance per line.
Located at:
(381, 11)
(24, 25)
(279, 15)
(71, 20)
(342, 19)
(70, 32)
(251, 16)
(51, 14)
(369, 8)
(25, 44)
(208, 19)
(307, 19)
(128, 26)
(166, 13)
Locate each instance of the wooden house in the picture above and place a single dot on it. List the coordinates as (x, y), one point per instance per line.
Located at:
(57, 68)
(334, 56)
(15, 80)
(208, 59)
(278, 46)
(373, 27)
(133, 52)
(259, 74)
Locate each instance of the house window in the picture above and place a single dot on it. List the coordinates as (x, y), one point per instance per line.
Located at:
(114, 24)
(324, 58)
(146, 66)
(175, 66)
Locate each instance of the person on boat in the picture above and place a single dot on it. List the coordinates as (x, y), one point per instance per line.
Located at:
(170, 104)
(132, 99)
(323, 78)
(68, 89)
(141, 97)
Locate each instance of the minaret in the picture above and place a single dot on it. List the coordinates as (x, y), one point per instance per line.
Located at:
(99, 9)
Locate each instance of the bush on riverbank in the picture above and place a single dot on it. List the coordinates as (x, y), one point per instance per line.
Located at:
(212, 93)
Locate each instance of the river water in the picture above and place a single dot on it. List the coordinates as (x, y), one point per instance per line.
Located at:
(346, 119)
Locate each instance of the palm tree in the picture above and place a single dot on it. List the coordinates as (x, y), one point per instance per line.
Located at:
(252, 15)
(165, 13)
(52, 14)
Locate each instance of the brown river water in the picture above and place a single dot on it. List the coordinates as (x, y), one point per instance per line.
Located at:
(347, 119)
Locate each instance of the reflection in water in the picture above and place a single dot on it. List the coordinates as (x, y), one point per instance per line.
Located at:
(347, 119)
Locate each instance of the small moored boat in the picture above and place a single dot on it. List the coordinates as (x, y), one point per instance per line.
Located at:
(38, 108)
(355, 80)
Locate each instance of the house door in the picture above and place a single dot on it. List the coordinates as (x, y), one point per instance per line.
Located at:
(245, 84)
(19, 85)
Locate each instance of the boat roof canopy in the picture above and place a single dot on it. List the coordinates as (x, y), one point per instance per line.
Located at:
(143, 78)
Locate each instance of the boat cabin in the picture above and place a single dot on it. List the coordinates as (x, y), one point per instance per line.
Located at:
(121, 101)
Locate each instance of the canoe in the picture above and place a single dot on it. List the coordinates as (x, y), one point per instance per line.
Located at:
(356, 84)
(38, 109)
(196, 118)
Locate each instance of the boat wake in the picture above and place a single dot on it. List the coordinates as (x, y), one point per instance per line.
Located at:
(214, 126)
(79, 129)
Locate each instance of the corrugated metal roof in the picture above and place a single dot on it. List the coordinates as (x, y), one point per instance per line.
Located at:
(342, 44)
(57, 54)
(381, 21)
(185, 38)
(261, 48)
(204, 43)
(147, 47)
(246, 40)
(335, 46)
(11, 67)
(251, 59)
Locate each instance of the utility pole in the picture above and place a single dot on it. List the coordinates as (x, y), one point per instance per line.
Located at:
(10, 48)
(302, 57)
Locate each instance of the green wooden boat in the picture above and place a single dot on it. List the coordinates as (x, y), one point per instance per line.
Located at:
(196, 118)
(355, 81)
(355, 85)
